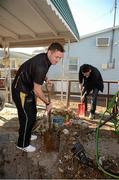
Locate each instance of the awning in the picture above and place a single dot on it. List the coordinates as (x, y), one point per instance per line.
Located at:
(29, 23)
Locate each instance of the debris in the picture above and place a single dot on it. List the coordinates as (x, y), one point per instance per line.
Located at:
(79, 152)
(65, 131)
(53, 158)
(60, 170)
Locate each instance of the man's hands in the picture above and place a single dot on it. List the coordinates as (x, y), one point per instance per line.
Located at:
(82, 98)
(81, 88)
(40, 94)
(49, 85)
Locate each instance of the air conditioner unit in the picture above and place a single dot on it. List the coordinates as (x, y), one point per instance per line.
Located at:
(102, 41)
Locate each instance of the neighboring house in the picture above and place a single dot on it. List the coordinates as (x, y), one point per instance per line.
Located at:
(16, 58)
(94, 49)
(7, 73)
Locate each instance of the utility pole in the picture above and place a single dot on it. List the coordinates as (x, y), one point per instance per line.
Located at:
(113, 31)
(115, 9)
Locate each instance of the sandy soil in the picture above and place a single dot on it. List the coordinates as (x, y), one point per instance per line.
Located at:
(54, 158)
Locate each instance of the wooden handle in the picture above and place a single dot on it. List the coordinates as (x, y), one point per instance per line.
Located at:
(49, 99)
(48, 93)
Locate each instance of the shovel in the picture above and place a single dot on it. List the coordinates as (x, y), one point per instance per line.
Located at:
(49, 99)
(47, 115)
(81, 107)
(50, 136)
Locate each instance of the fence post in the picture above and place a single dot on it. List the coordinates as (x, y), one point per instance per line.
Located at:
(68, 94)
(108, 89)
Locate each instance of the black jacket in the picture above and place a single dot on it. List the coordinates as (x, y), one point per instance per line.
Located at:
(93, 81)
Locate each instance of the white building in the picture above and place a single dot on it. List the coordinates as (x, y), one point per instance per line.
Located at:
(100, 49)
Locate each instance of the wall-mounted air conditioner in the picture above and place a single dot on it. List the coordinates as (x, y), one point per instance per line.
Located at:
(102, 41)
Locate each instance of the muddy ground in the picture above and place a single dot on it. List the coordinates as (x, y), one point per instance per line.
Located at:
(53, 158)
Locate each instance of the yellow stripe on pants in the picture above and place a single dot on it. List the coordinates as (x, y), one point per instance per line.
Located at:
(22, 97)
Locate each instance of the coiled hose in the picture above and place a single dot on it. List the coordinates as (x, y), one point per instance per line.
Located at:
(113, 111)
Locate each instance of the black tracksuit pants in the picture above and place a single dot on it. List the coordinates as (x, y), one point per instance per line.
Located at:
(93, 99)
(26, 107)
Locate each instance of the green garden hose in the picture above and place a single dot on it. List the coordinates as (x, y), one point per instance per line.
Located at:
(114, 117)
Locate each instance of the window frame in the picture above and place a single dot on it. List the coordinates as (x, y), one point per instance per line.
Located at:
(72, 58)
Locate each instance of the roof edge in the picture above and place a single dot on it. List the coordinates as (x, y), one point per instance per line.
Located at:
(99, 32)
(54, 5)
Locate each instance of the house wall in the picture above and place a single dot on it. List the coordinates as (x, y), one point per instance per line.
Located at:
(87, 52)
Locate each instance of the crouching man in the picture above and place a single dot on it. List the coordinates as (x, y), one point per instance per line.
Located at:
(90, 79)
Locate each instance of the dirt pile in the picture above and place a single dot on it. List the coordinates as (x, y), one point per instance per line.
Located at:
(54, 157)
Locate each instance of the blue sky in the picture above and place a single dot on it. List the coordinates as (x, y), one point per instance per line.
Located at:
(93, 15)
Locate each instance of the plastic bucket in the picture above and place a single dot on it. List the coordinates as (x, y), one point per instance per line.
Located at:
(58, 121)
(81, 109)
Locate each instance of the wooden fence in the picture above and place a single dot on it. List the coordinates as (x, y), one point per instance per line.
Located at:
(68, 93)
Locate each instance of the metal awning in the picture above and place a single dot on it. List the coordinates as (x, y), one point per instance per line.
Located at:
(29, 23)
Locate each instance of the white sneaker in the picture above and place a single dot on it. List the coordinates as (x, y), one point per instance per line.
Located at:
(33, 137)
(91, 116)
(27, 149)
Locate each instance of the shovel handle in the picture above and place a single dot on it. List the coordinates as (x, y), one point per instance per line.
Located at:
(83, 95)
(49, 99)
(48, 93)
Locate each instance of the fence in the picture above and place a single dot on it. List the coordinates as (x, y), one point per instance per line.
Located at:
(68, 93)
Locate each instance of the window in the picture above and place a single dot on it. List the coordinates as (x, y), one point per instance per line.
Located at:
(73, 64)
(102, 41)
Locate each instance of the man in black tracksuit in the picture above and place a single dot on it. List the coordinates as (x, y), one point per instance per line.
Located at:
(90, 79)
(27, 86)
